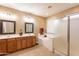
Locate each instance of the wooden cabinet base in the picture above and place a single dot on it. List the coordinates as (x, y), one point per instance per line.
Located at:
(16, 44)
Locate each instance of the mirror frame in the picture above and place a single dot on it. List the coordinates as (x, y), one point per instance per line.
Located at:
(32, 27)
(7, 21)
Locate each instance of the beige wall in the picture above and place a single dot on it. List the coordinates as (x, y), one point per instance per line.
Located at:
(39, 21)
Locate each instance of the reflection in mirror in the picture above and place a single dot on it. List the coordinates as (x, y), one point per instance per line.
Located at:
(7, 27)
(10, 27)
(29, 27)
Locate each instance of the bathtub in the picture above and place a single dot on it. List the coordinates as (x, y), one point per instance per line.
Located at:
(46, 41)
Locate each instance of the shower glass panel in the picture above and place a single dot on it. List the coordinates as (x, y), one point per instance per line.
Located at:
(60, 42)
(74, 35)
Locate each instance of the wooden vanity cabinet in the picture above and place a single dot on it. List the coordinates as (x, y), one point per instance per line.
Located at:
(19, 43)
(14, 44)
(11, 45)
(3, 46)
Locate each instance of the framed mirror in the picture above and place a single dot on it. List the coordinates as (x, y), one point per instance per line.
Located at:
(7, 27)
(29, 27)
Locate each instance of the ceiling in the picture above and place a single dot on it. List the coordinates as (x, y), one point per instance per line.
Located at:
(40, 9)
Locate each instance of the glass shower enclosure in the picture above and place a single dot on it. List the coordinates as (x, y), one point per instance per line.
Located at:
(67, 43)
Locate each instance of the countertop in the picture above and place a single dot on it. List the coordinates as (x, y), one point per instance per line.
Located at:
(15, 36)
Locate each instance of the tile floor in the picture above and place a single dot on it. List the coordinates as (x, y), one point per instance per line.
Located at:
(33, 51)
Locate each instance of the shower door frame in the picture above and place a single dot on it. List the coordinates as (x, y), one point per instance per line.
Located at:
(68, 37)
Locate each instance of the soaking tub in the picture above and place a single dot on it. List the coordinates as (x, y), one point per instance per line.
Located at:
(46, 41)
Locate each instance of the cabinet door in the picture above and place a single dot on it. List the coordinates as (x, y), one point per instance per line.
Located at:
(3, 44)
(11, 45)
(19, 43)
(33, 40)
(24, 45)
(28, 42)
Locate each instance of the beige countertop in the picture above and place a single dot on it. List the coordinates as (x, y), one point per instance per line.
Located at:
(15, 35)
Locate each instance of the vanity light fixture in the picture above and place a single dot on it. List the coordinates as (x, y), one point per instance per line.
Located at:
(8, 16)
(29, 19)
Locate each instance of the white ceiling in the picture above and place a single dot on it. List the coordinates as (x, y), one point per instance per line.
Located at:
(40, 9)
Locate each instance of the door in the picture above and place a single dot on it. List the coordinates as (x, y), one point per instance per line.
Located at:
(60, 41)
(74, 35)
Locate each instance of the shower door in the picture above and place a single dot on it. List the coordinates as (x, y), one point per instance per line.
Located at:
(67, 43)
(60, 42)
(74, 35)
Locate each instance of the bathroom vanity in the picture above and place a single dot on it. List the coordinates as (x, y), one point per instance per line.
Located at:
(10, 41)
(9, 44)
